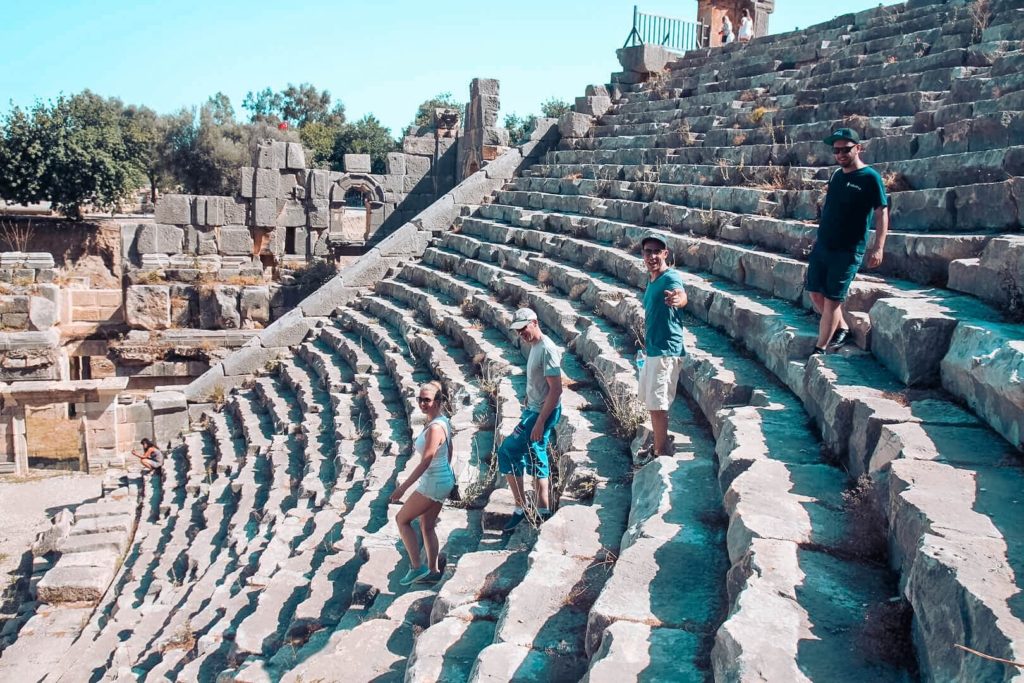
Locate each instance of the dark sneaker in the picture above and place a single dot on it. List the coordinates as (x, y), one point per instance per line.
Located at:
(818, 352)
(544, 515)
(513, 521)
(841, 336)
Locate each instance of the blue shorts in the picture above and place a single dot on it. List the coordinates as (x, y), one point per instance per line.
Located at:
(830, 272)
(518, 455)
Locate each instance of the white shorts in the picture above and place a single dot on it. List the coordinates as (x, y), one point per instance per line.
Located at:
(659, 378)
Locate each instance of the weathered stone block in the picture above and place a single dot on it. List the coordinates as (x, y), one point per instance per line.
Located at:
(218, 308)
(417, 167)
(235, 209)
(319, 184)
(396, 163)
(235, 240)
(265, 212)
(319, 214)
(357, 163)
(156, 238)
(148, 307)
(419, 145)
(596, 105)
(174, 209)
(74, 584)
(295, 156)
(644, 59)
(42, 313)
(254, 305)
(291, 215)
(574, 125)
(247, 182)
(268, 183)
(911, 337)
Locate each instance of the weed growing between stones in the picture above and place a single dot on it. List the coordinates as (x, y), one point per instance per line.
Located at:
(981, 15)
(182, 639)
(1014, 307)
(895, 182)
(627, 411)
(217, 396)
(886, 634)
(17, 234)
(865, 537)
(659, 86)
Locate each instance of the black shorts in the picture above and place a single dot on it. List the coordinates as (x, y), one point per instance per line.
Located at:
(830, 272)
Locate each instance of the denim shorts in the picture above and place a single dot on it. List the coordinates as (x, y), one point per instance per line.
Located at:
(518, 455)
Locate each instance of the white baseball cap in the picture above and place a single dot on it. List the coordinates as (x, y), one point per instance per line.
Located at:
(522, 318)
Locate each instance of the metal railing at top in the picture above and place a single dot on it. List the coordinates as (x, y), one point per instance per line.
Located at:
(678, 35)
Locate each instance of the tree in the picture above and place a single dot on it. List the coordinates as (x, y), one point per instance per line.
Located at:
(71, 152)
(220, 109)
(296, 105)
(519, 127)
(553, 108)
(425, 112)
(365, 136)
(23, 155)
(152, 140)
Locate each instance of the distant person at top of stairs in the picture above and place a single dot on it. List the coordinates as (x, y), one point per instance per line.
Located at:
(726, 32)
(855, 190)
(746, 31)
(664, 299)
(152, 458)
(434, 480)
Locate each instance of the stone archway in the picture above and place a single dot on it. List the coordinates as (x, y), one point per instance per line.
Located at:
(352, 221)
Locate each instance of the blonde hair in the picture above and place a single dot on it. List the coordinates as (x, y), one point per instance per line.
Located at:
(439, 396)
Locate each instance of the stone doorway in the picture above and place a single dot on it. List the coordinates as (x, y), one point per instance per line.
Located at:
(54, 436)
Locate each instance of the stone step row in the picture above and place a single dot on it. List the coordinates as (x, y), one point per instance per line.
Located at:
(290, 552)
(380, 547)
(948, 170)
(967, 357)
(631, 608)
(847, 434)
(523, 624)
(922, 258)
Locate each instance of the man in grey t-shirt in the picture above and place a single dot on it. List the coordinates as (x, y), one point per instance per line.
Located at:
(525, 451)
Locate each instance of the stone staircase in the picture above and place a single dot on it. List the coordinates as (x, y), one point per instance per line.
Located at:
(848, 517)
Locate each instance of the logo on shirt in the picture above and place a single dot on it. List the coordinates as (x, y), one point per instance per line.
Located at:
(853, 186)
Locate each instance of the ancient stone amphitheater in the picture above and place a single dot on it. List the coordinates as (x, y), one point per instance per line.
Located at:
(269, 551)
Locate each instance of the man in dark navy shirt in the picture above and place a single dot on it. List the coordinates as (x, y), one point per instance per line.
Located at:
(855, 191)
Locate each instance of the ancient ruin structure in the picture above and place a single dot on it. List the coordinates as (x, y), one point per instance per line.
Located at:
(846, 517)
(710, 13)
(200, 280)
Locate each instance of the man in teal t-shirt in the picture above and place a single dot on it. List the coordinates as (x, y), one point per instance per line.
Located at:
(855, 190)
(664, 300)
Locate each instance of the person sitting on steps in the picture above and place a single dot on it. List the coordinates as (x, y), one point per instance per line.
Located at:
(434, 480)
(855, 191)
(152, 458)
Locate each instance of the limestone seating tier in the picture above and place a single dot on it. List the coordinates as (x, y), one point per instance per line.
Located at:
(576, 249)
(621, 604)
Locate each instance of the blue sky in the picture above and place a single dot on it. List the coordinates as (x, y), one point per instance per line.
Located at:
(383, 57)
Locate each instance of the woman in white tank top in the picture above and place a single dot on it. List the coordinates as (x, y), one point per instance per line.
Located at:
(434, 479)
